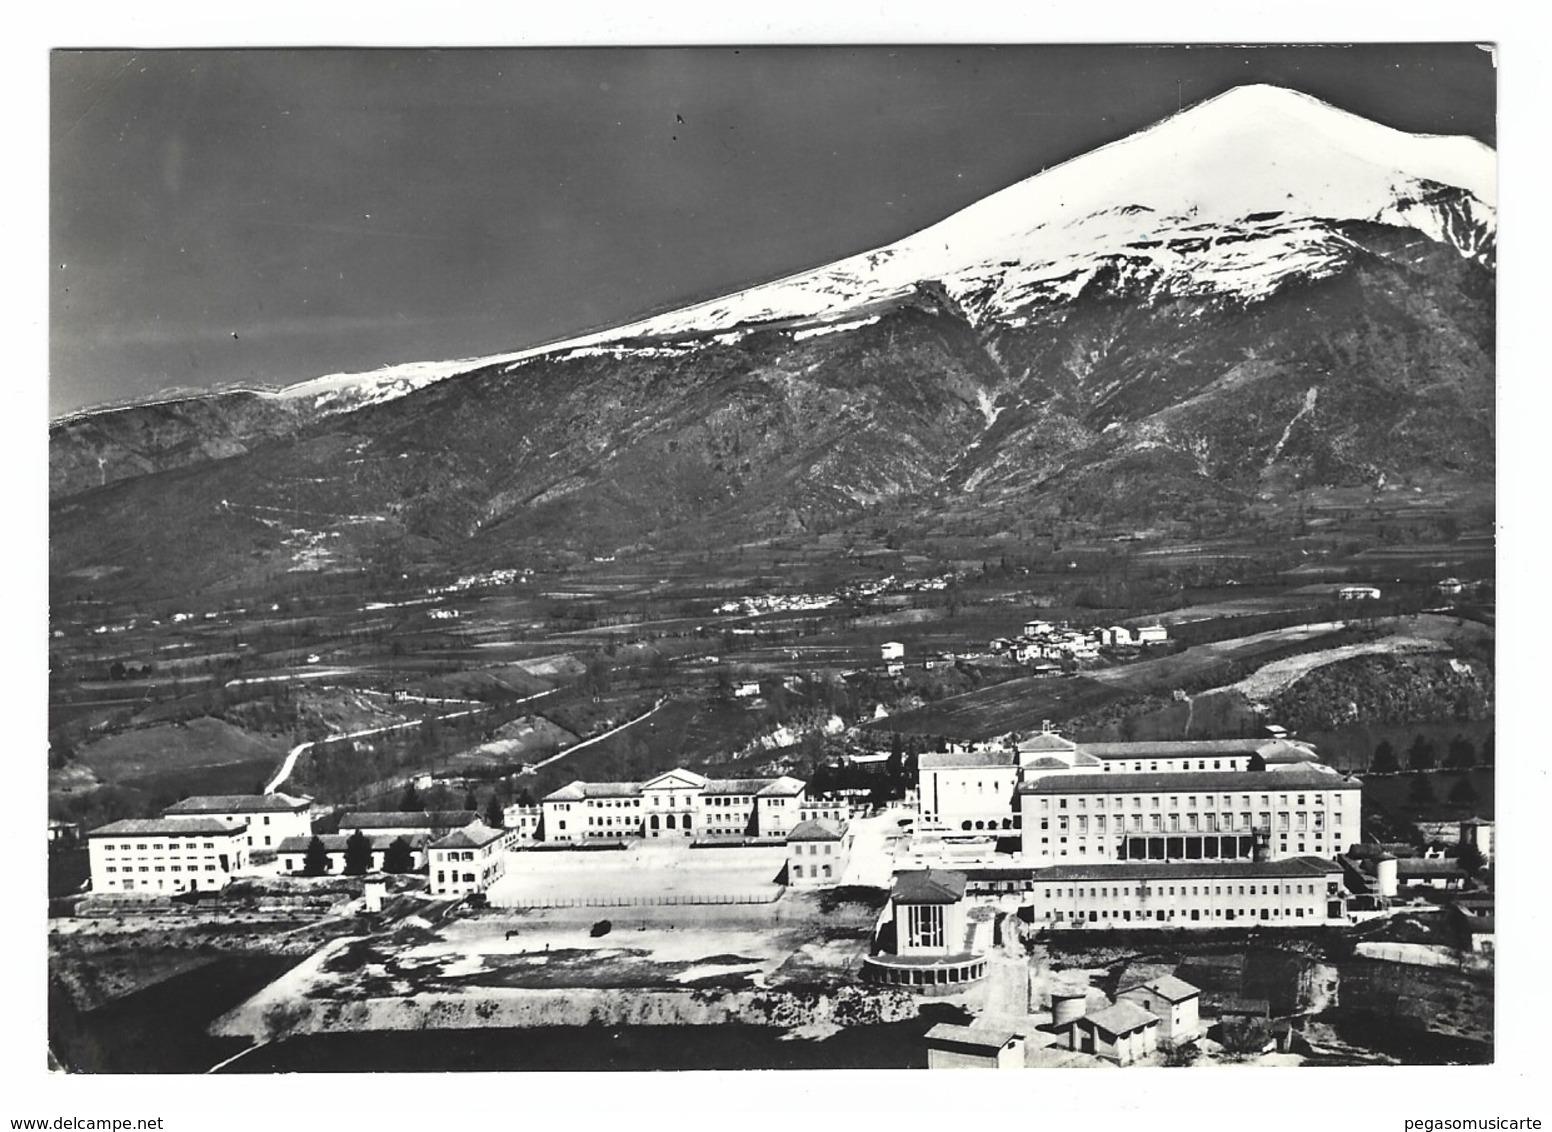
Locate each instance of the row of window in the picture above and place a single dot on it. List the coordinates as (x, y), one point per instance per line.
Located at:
(813, 849)
(158, 868)
(1210, 823)
(173, 844)
(1174, 764)
(1125, 914)
(814, 871)
(1277, 889)
(1333, 797)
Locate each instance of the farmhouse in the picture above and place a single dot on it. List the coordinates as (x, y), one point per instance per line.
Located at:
(292, 853)
(271, 818)
(164, 856)
(466, 861)
(677, 804)
(1358, 593)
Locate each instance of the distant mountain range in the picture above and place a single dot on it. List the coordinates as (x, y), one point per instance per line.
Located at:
(1258, 292)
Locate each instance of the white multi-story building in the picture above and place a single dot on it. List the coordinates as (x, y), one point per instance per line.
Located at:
(1294, 892)
(466, 861)
(1189, 816)
(675, 804)
(271, 818)
(816, 853)
(165, 856)
(968, 790)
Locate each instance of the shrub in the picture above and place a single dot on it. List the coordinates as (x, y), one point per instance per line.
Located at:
(601, 928)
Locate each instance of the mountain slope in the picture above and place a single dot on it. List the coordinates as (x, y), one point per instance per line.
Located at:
(1259, 294)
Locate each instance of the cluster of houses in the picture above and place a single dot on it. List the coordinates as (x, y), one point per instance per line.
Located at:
(1053, 641)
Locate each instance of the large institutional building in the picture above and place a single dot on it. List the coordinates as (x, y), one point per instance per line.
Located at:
(675, 804)
(166, 856)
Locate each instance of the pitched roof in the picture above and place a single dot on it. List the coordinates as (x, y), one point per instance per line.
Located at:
(413, 819)
(1167, 987)
(1429, 867)
(1046, 741)
(974, 1037)
(783, 787)
(1187, 781)
(169, 827)
(571, 792)
(1174, 748)
(610, 789)
(1121, 1018)
(724, 786)
(472, 836)
(238, 804)
(943, 760)
(817, 829)
(1280, 751)
(335, 842)
(928, 886)
(1189, 870)
(689, 777)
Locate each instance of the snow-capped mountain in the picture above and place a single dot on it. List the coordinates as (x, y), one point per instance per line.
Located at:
(1258, 296)
(1229, 197)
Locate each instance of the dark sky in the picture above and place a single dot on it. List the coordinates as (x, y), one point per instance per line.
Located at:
(341, 210)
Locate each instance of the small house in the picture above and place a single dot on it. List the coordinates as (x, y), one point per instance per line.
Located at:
(1122, 1033)
(1173, 1001)
(892, 650)
(973, 1047)
(1358, 593)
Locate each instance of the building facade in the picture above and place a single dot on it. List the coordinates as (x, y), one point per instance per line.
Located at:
(271, 818)
(676, 804)
(466, 861)
(816, 854)
(1175, 1002)
(1189, 816)
(166, 856)
(1292, 892)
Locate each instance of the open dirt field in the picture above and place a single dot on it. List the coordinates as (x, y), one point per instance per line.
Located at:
(644, 873)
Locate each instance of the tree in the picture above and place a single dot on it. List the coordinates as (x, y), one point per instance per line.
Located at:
(495, 816)
(1384, 761)
(1470, 859)
(1463, 793)
(1420, 793)
(471, 801)
(399, 857)
(411, 802)
(1421, 755)
(358, 854)
(316, 861)
(1462, 755)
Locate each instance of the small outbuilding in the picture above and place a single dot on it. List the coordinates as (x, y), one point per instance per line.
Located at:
(973, 1047)
(1123, 1033)
(1173, 1001)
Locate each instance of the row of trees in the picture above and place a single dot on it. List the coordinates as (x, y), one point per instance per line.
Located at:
(1423, 755)
(397, 858)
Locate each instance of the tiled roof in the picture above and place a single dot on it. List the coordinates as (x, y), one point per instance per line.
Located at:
(1046, 741)
(472, 836)
(1167, 987)
(238, 804)
(1426, 867)
(1121, 1018)
(945, 760)
(1196, 781)
(1189, 870)
(817, 829)
(335, 842)
(783, 787)
(611, 789)
(928, 886)
(725, 786)
(423, 819)
(977, 1037)
(571, 792)
(168, 827)
(1174, 748)
(1282, 751)
(690, 778)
